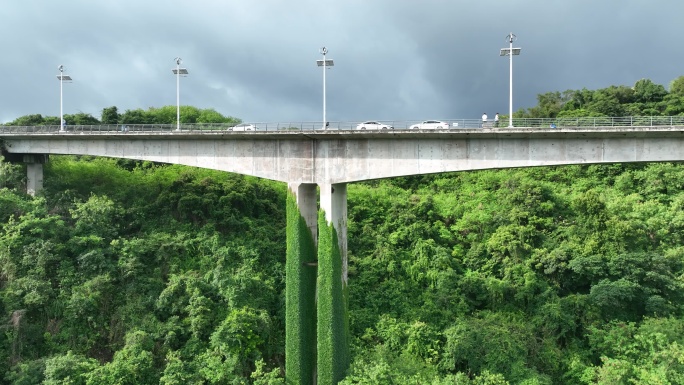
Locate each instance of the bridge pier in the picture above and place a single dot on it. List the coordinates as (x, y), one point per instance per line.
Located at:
(34, 172)
(317, 327)
(332, 295)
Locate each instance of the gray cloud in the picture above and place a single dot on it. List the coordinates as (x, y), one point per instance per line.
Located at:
(394, 59)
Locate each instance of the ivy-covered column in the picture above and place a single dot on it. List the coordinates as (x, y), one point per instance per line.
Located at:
(333, 322)
(300, 286)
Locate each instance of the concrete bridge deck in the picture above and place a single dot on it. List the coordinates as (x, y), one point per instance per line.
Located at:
(343, 156)
(516, 132)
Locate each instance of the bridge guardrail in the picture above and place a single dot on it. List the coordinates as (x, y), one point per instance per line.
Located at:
(559, 123)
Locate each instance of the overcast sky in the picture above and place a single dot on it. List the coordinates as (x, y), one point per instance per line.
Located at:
(394, 59)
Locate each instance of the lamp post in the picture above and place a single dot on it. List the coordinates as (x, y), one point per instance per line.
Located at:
(510, 52)
(61, 78)
(324, 63)
(178, 71)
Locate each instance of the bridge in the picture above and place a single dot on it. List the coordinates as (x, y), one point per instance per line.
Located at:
(345, 155)
(322, 162)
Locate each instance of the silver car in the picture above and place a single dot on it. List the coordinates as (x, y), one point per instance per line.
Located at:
(372, 125)
(430, 125)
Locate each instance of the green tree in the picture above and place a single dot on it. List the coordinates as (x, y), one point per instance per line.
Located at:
(606, 102)
(28, 120)
(677, 86)
(132, 365)
(29, 372)
(110, 115)
(68, 369)
(645, 91)
(81, 119)
(549, 104)
(212, 116)
(137, 116)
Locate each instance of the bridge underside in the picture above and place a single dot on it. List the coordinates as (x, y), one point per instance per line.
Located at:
(333, 159)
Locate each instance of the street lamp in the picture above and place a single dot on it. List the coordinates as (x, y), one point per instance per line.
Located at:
(324, 63)
(178, 71)
(510, 51)
(61, 78)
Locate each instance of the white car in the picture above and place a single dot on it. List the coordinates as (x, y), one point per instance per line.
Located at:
(430, 125)
(243, 127)
(371, 125)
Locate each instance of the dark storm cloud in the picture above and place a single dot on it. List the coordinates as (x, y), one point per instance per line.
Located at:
(394, 59)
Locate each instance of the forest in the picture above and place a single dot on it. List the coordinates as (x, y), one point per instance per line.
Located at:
(126, 272)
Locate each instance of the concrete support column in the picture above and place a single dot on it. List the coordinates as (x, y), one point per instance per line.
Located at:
(307, 202)
(333, 320)
(317, 323)
(300, 286)
(334, 205)
(34, 173)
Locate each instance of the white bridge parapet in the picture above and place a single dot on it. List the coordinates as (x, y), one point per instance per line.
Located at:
(329, 157)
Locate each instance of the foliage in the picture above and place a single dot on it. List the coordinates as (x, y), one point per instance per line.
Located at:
(332, 321)
(11, 175)
(508, 271)
(300, 344)
(168, 115)
(650, 353)
(111, 115)
(92, 262)
(68, 368)
(644, 98)
(677, 86)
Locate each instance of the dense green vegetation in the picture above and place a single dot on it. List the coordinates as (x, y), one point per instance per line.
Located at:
(332, 321)
(111, 115)
(550, 275)
(126, 272)
(300, 298)
(645, 98)
(152, 274)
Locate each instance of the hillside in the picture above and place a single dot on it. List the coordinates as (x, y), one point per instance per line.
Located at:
(166, 274)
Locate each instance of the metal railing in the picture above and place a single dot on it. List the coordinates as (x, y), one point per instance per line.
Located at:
(451, 124)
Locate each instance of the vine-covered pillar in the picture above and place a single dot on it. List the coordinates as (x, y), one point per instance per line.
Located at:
(300, 286)
(333, 322)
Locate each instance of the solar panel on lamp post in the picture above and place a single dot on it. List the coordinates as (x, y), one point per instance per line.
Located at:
(178, 71)
(61, 78)
(324, 63)
(510, 52)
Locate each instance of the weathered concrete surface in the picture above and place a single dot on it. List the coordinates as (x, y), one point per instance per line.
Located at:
(34, 178)
(334, 204)
(34, 172)
(342, 157)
